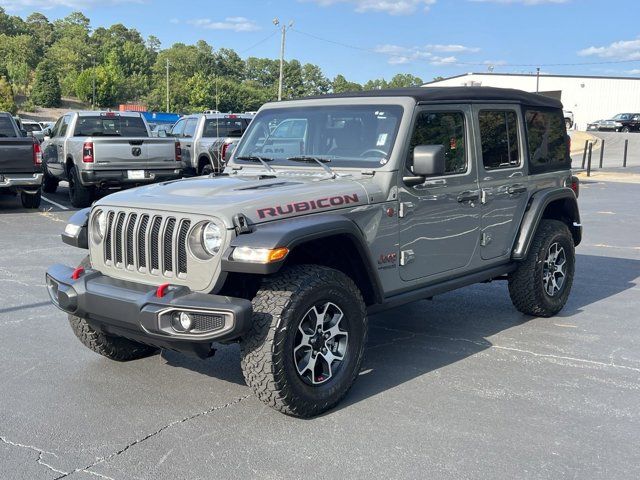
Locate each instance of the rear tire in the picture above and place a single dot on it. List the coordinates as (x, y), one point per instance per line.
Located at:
(111, 346)
(625, 130)
(305, 347)
(31, 200)
(49, 184)
(542, 283)
(79, 195)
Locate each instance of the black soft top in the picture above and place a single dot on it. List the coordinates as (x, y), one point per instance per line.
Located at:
(456, 94)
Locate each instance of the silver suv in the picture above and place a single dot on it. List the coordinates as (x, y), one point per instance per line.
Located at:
(330, 209)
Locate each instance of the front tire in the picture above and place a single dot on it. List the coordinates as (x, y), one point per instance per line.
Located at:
(79, 195)
(49, 183)
(305, 347)
(31, 200)
(111, 346)
(625, 130)
(542, 283)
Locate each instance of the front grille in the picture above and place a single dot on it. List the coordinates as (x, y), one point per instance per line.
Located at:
(150, 244)
(207, 323)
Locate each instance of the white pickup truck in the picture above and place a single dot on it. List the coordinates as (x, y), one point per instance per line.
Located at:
(92, 150)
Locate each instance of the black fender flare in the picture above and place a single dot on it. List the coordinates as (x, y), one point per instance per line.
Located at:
(77, 237)
(290, 233)
(535, 211)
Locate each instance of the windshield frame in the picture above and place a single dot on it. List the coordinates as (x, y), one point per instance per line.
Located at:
(294, 108)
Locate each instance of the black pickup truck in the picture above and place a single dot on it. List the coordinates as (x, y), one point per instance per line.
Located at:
(20, 162)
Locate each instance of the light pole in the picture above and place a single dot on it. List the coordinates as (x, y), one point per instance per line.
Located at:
(284, 29)
(537, 79)
(167, 85)
(93, 81)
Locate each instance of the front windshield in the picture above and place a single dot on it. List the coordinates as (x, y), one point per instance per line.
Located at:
(622, 116)
(346, 135)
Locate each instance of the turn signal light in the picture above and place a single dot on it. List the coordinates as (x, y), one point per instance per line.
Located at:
(259, 255)
(87, 152)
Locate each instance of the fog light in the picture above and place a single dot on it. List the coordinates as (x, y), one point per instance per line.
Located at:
(182, 322)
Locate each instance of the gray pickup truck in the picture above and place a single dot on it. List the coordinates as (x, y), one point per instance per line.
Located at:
(204, 139)
(20, 162)
(330, 209)
(94, 150)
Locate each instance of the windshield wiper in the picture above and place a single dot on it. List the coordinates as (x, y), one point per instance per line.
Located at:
(262, 160)
(311, 159)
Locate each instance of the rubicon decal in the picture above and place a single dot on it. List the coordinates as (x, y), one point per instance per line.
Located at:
(307, 206)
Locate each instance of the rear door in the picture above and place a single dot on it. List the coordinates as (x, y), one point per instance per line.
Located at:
(16, 151)
(53, 154)
(503, 176)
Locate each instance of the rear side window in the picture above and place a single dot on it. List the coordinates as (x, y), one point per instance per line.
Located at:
(224, 127)
(6, 127)
(499, 138)
(110, 126)
(446, 129)
(547, 138)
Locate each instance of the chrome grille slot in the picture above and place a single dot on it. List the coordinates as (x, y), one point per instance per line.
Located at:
(131, 225)
(167, 245)
(154, 243)
(118, 237)
(182, 246)
(108, 253)
(142, 241)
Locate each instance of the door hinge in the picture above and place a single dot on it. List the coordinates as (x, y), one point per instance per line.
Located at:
(406, 256)
(485, 239)
(404, 209)
(483, 196)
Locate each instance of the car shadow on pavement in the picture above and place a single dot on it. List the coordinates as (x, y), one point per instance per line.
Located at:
(411, 341)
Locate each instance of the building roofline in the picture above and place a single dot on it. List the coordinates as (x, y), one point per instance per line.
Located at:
(547, 75)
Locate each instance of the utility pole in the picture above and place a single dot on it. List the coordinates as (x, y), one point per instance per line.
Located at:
(284, 29)
(167, 85)
(537, 79)
(93, 101)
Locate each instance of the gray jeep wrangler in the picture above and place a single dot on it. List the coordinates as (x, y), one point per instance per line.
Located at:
(331, 209)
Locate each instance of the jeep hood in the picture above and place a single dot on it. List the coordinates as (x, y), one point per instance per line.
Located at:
(260, 198)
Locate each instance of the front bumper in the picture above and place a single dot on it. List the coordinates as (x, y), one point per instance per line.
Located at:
(106, 178)
(21, 180)
(134, 311)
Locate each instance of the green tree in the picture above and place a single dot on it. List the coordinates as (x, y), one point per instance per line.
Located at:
(41, 31)
(341, 85)
(46, 88)
(109, 83)
(7, 103)
(313, 80)
(402, 80)
(11, 25)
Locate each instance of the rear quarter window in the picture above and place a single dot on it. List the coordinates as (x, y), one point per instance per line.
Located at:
(6, 127)
(547, 140)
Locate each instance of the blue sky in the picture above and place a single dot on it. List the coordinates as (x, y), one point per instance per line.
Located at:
(365, 39)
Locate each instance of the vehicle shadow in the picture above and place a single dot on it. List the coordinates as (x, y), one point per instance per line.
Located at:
(416, 339)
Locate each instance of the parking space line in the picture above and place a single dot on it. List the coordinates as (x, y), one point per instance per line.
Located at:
(54, 203)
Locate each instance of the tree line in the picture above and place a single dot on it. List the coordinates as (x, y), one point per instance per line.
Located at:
(43, 61)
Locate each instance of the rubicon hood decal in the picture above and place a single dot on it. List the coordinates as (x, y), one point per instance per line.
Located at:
(306, 206)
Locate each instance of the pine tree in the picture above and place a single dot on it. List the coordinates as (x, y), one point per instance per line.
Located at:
(46, 88)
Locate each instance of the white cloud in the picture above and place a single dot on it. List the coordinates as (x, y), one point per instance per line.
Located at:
(621, 50)
(14, 5)
(236, 24)
(400, 55)
(523, 2)
(397, 7)
(635, 71)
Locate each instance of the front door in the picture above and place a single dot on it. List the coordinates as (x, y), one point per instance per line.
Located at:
(503, 179)
(440, 216)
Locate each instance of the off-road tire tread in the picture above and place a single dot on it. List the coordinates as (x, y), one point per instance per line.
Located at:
(29, 200)
(49, 184)
(527, 294)
(263, 370)
(110, 346)
(83, 195)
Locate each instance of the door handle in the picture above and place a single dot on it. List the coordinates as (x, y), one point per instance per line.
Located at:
(188, 146)
(468, 196)
(517, 188)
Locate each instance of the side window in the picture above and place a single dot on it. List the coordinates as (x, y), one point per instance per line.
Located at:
(499, 138)
(442, 128)
(547, 139)
(56, 128)
(178, 128)
(63, 127)
(190, 128)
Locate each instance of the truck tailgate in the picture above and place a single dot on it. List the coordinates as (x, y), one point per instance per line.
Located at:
(119, 153)
(16, 155)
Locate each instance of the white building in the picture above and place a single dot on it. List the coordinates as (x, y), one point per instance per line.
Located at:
(589, 98)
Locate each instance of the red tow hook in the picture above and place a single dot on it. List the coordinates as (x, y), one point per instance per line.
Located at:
(162, 290)
(77, 272)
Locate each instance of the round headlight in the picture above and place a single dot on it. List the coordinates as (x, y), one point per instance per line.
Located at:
(99, 225)
(211, 238)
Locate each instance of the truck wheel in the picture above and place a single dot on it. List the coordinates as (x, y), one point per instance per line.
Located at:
(31, 200)
(207, 170)
(49, 184)
(625, 130)
(79, 195)
(305, 347)
(542, 283)
(110, 346)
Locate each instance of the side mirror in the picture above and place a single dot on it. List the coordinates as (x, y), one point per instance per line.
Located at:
(46, 132)
(428, 160)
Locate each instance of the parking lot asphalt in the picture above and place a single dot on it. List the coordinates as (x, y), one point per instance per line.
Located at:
(460, 387)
